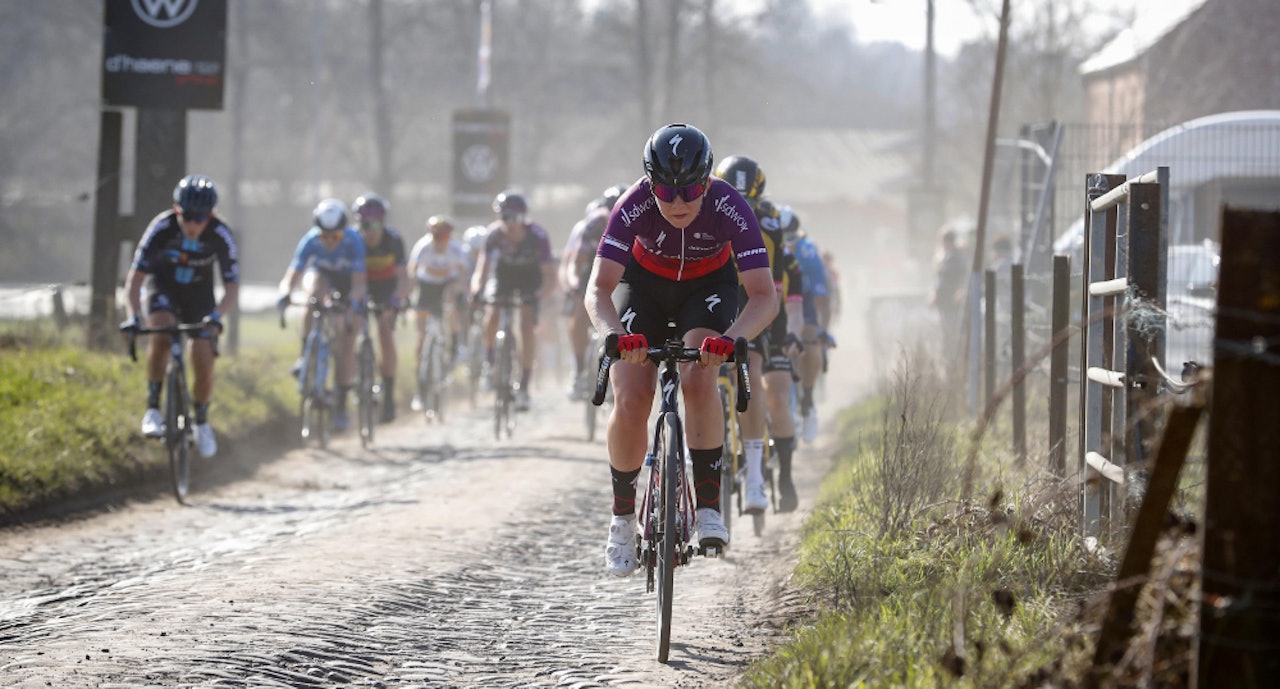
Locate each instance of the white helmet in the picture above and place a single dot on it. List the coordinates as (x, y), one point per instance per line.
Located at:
(474, 237)
(330, 215)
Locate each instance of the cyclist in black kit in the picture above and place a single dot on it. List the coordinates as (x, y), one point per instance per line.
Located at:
(668, 255)
(178, 252)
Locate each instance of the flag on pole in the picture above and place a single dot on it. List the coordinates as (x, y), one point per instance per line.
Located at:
(486, 36)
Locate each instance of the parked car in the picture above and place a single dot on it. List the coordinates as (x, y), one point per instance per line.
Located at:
(1192, 284)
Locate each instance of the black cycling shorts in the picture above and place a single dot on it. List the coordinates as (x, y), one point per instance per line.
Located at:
(431, 297)
(647, 302)
(188, 306)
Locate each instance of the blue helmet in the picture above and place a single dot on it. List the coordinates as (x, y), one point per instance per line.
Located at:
(196, 195)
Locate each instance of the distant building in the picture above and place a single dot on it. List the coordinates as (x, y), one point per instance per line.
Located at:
(1185, 60)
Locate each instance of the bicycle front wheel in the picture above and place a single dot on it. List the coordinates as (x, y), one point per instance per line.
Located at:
(668, 493)
(503, 398)
(366, 409)
(178, 433)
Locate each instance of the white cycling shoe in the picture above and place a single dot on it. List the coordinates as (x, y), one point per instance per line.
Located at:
(620, 552)
(710, 527)
(755, 501)
(809, 425)
(206, 442)
(153, 423)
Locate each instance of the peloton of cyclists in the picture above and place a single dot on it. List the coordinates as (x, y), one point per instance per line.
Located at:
(388, 286)
(441, 267)
(177, 252)
(330, 259)
(516, 259)
(668, 255)
(575, 267)
(817, 316)
(771, 352)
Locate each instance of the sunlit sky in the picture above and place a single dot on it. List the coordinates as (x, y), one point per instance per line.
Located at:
(955, 21)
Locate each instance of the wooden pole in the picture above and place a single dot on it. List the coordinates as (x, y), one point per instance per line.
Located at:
(1018, 343)
(1058, 365)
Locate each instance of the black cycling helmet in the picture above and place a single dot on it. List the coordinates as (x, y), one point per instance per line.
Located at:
(677, 155)
(744, 174)
(370, 207)
(196, 195)
(510, 202)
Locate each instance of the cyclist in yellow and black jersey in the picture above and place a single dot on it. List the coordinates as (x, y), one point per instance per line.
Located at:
(771, 352)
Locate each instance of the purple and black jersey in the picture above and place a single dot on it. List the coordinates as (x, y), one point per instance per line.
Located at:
(724, 225)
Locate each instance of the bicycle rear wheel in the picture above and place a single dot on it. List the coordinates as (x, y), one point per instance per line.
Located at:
(177, 433)
(366, 407)
(672, 458)
(728, 458)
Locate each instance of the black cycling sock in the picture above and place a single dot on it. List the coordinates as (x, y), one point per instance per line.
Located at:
(525, 375)
(202, 412)
(806, 399)
(389, 389)
(342, 398)
(624, 491)
(153, 393)
(706, 477)
(785, 447)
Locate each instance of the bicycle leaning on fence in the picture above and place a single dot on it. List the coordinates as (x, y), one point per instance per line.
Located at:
(666, 515)
(313, 373)
(179, 433)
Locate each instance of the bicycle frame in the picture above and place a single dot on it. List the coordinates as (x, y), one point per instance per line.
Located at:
(313, 380)
(666, 515)
(179, 423)
(431, 371)
(507, 365)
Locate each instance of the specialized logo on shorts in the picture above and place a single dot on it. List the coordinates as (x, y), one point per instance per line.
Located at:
(712, 302)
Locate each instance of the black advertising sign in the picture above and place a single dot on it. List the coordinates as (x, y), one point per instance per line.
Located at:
(165, 54)
(481, 160)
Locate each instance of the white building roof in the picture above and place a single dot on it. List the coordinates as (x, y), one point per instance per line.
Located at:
(1151, 21)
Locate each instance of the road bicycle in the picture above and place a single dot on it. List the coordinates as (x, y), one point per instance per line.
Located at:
(316, 404)
(666, 517)
(586, 382)
(368, 385)
(434, 363)
(731, 470)
(506, 367)
(179, 433)
(475, 354)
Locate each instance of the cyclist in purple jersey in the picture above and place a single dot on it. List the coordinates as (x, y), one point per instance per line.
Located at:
(668, 256)
(575, 267)
(515, 260)
(178, 252)
(330, 262)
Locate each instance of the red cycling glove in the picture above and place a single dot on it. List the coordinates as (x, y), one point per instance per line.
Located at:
(628, 343)
(722, 345)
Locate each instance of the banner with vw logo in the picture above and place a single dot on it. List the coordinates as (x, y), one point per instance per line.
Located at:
(481, 161)
(165, 54)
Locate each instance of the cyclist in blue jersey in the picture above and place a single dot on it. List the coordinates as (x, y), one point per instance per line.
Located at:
(387, 276)
(817, 316)
(178, 252)
(330, 262)
(672, 252)
(515, 259)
